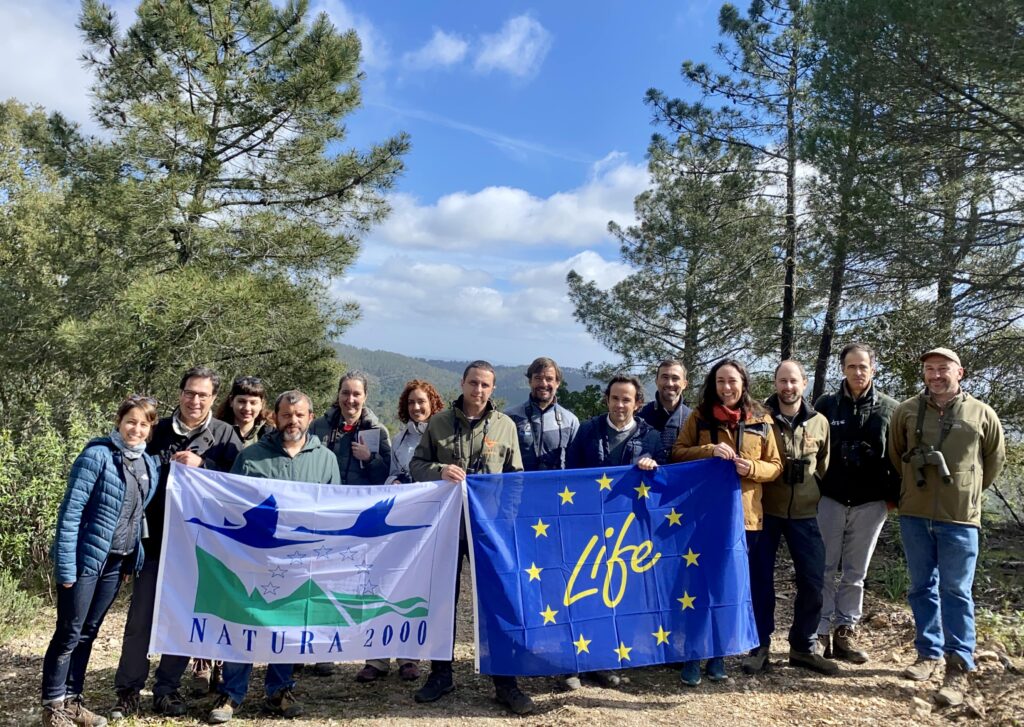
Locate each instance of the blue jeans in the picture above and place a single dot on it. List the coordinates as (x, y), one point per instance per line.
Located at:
(80, 612)
(808, 553)
(941, 558)
(236, 679)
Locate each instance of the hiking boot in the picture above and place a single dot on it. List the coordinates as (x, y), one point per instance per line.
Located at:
(75, 708)
(512, 697)
(844, 646)
(438, 684)
(825, 645)
(689, 674)
(922, 669)
(369, 673)
(572, 682)
(954, 683)
(408, 672)
(223, 710)
(606, 679)
(55, 715)
(128, 705)
(324, 669)
(283, 703)
(202, 673)
(756, 661)
(716, 669)
(814, 662)
(170, 705)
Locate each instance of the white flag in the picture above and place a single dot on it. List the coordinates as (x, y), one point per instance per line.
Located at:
(258, 570)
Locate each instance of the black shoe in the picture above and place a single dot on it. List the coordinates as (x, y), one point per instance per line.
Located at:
(512, 697)
(606, 679)
(170, 705)
(128, 705)
(813, 661)
(323, 669)
(438, 684)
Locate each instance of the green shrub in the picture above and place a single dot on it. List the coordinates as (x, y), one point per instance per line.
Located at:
(34, 467)
(17, 607)
(1006, 627)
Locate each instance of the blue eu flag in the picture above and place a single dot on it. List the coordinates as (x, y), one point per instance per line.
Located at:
(591, 569)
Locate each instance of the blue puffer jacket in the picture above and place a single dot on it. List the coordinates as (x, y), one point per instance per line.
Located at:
(89, 512)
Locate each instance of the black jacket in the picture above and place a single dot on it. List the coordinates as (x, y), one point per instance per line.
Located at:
(859, 470)
(590, 447)
(217, 443)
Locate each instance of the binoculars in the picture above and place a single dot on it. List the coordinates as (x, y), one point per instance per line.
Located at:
(794, 471)
(924, 456)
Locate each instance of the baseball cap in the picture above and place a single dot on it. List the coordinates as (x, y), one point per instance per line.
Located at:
(945, 353)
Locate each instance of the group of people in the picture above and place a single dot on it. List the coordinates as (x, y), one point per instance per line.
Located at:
(822, 477)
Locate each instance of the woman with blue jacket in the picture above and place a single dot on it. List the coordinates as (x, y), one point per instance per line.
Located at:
(98, 545)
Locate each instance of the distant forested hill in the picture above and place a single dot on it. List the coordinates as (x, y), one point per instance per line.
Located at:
(389, 372)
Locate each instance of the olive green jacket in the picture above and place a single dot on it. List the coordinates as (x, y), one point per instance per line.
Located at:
(974, 450)
(268, 458)
(488, 446)
(807, 440)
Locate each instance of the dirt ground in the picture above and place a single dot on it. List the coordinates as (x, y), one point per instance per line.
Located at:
(871, 694)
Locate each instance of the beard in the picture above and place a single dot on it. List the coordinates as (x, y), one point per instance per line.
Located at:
(293, 435)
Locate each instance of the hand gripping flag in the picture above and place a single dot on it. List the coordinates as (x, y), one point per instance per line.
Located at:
(591, 569)
(258, 570)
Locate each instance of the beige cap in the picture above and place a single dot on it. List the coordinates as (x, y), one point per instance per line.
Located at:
(945, 353)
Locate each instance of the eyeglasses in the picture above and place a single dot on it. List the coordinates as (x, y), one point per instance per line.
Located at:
(200, 395)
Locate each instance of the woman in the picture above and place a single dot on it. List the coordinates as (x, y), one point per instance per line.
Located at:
(358, 440)
(354, 434)
(418, 402)
(246, 409)
(97, 546)
(727, 413)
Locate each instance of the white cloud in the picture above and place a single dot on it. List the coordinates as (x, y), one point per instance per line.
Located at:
(441, 51)
(375, 50)
(497, 215)
(518, 48)
(458, 310)
(40, 50)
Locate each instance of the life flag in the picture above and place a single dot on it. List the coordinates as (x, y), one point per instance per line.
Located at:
(591, 569)
(259, 570)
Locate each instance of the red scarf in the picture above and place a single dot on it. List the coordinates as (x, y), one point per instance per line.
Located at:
(729, 417)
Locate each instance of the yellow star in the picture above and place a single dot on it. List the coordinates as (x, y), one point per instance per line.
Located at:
(687, 600)
(642, 491)
(605, 482)
(534, 572)
(566, 496)
(541, 528)
(582, 644)
(661, 635)
(673, 517)
(549, 615)
(623, 651)
(691, 557)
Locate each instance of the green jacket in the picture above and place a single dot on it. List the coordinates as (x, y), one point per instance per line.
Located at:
(268, 459)
(807, 439)
(490, 446)
(974, 450)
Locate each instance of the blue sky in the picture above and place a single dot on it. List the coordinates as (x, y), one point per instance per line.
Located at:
(528, 131)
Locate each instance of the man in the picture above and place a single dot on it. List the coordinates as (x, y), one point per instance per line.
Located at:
(545, 428)
(472, 438)
(855, 489)
(192, 437)
(618, 437)
(288, 453)
(668, 411)
(790, 510)
(949, 448)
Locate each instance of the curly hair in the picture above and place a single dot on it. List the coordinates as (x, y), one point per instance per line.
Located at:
(436, 402)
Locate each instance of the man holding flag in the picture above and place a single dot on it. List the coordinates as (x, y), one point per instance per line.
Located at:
(472, 438)
(288, 453)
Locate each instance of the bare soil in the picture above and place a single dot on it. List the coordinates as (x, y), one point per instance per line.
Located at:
(873, 693)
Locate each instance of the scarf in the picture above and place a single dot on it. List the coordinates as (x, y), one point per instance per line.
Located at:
(729, 417)
(133, 452)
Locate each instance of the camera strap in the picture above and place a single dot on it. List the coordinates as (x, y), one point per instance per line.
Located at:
(467, 464)
(947, 424)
